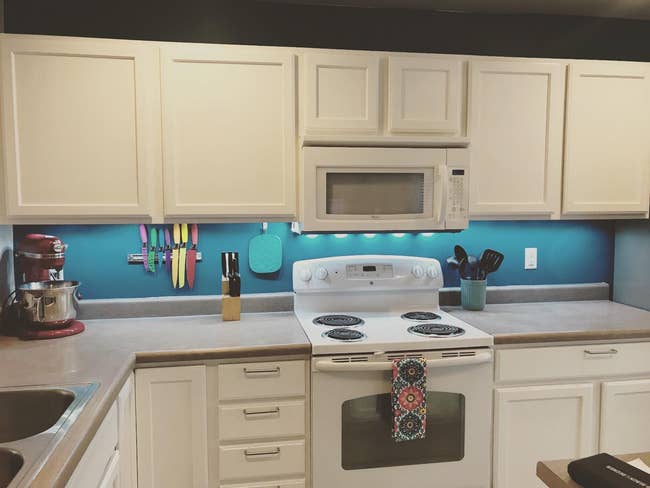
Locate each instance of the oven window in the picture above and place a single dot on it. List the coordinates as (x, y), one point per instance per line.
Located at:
(374, 193)
(367, 440)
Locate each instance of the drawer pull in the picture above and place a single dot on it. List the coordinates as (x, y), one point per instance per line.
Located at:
(610, 352)
(255, 413)
(262, 453)
(262, 372)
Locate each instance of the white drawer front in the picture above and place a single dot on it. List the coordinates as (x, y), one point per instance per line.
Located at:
(262, 420)
(269, 484)
(277, 459)
(549, 363)
(261, 380)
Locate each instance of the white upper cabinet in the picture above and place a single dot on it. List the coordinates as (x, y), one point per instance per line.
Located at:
(342, 92)
(607, 154)
(81, 127)
(516, 127)
(229, 131)
(423, 95)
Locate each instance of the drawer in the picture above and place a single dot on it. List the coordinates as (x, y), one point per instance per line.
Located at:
(262, 420)
(562, 362)
(269, 459)
(269, 484)
(261, 380)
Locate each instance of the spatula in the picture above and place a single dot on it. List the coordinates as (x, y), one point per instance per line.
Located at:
(191, 255)
(177, 240)
(490, 261)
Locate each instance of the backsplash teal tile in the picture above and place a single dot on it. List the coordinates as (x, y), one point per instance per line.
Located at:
(568, 252)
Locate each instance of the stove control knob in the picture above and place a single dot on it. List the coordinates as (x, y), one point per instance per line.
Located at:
(305, 274)
(417, 271)
(321, 273)
(432, 272)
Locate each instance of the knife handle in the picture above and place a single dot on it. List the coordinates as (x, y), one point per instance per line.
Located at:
(195, 235)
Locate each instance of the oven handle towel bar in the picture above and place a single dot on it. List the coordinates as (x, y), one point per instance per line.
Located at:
(329, 365)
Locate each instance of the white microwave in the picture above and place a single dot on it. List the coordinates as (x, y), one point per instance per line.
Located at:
(364, 189)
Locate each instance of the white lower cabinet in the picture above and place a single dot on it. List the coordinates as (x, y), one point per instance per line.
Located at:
(128, 474)
(171, 414)
(99, 466)
(534, 423)
(260, 411)
(625, 416)
(583, 415)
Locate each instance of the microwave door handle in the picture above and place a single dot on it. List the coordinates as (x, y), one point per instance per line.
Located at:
(441, 194)
(329, 365)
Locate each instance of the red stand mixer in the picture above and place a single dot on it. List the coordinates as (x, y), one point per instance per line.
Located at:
(45, 305)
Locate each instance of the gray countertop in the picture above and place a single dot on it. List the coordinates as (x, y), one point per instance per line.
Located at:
(108, 351)
(519, 323)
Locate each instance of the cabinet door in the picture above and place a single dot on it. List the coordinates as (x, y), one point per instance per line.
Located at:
(625, 417)
(538, 423)
(607, 152)
(516, 115)
(81, 121)
(342, 93)
(128, 474)
(171, 415)
(229, 136)
(423, 95)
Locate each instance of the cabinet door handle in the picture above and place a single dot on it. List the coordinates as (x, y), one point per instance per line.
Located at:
(609, 352)
(262, 453)
(248, 412)
(262, 372)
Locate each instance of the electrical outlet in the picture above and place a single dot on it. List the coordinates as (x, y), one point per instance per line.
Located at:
(530, 258)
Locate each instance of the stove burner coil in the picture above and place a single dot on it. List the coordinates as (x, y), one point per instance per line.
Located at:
(345, 335)
(436, 330)
(420, 316)
(338, 320)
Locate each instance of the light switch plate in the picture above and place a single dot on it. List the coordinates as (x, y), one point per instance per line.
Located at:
(530, 258)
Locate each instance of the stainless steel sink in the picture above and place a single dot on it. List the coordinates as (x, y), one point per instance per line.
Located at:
(32, 421)
(10, 464)
(24, 413)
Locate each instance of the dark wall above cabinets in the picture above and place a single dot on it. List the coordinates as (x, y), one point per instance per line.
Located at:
(268, 23)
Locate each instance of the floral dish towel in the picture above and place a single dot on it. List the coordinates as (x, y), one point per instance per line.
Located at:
(408, 399)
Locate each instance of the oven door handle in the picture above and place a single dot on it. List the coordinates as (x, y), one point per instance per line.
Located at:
(329, 365)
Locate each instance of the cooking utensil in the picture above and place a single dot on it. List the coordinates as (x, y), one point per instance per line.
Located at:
(48, 303)
(224, 264)
(168, 250)
(460, 253)
(153, 249)
(265, 252)
(145, 247)
(191, 255)
(175, 252)
(182, 256)
(490, 261)
(161, 247)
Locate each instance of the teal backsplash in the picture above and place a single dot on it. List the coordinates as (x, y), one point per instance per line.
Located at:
(568, 252)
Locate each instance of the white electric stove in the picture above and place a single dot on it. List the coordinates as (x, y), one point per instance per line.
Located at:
(376, 304)
(361, 313)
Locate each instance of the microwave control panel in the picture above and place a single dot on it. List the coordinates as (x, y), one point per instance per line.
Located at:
(458, 189)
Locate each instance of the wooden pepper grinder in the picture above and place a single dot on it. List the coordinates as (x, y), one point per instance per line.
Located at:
(230, 287)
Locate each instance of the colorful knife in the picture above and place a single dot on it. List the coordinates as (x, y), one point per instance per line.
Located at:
(145, 248)
(161, 247)
(153, 249)
(168, 250)
(191, 255)
(177, 240)
(182, 256)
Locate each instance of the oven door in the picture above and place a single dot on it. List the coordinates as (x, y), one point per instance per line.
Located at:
(355, 189)
(351, 424)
